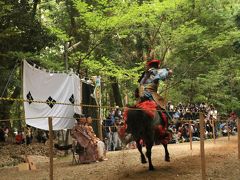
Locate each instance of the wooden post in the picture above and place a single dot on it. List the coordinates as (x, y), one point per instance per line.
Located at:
(100, 111)
(202, 134)
(126, 99)
(99, 123)
(228, 130)
(238, 129)
(213, 126)
(21, 96)
(50, 148)
(190, 134)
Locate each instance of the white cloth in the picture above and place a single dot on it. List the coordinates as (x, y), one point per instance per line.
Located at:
(59, 86)
(101, 149)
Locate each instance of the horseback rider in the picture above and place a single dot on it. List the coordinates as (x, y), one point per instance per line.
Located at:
(150, 79)
(149, 83)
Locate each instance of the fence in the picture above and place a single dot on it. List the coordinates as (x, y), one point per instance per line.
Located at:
(201, 122)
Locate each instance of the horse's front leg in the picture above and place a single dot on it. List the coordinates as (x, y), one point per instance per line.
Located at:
(167, 157)
(149, 154)
(139, 146)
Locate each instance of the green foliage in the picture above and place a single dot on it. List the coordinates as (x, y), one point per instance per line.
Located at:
(198, 39)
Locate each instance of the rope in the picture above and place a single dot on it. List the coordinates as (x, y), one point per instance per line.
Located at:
(10, 77)
(82, 105)
(98, 119)
(61, 103)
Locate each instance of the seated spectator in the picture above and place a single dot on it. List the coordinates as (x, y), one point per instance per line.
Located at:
(6, 132)
(19, 138)
(185, 132)
(79, 132)
(28, 132)
(196, 132)
(176, 115)
(209, 130)
(170, 108)
(232, 121)
(41, 136)
(100, 145)
(224, 130)
(117, 113)
(116, 142)
(2, 135)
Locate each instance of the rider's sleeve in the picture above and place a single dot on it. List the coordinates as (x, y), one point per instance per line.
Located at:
(161, 74)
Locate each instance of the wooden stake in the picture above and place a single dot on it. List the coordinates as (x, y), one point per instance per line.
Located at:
(99, 124)
(126, 99)
(238, 129)
(213, 126)
(100, 114)
(190, 134)
(50, 148)
(202, 134)
(228, 130)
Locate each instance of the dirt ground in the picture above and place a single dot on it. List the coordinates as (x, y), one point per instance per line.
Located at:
(221, 162)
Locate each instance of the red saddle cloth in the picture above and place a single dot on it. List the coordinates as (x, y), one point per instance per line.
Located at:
(149, 107)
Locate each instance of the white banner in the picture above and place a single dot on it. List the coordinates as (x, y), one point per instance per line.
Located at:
(39, 85)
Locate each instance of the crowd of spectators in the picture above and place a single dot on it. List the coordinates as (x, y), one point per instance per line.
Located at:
(25, 135)
(29, 134)
(183, 120)
(4, 131)
(189, 111)
(110, 124)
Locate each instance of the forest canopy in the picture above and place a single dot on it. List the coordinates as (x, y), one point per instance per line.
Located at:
(198, 39)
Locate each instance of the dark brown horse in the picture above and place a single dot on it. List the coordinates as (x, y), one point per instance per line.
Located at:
(147, 130)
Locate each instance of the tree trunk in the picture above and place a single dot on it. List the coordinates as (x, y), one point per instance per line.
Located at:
(139, 47)
(70, 10)
(34, 11)
(87, 99)
(111, 98)
(5, 106)
(116, 92)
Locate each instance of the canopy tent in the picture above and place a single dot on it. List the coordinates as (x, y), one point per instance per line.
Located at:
(50, 88)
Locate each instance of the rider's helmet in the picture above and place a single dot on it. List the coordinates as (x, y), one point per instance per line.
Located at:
(153, 63)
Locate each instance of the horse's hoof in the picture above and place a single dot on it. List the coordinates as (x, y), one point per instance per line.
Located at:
(143, 159)
(167, 159)
(151, 168)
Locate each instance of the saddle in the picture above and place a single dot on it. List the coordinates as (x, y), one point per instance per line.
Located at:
(150, 107)
(159, 116)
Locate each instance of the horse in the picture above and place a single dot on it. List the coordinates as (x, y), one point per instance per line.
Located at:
(148, 130)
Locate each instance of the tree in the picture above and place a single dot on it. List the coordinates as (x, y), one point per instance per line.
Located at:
(21, 36)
